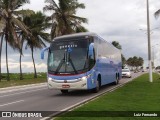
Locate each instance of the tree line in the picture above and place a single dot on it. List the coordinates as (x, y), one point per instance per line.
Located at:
(19, 26)
(135, 62)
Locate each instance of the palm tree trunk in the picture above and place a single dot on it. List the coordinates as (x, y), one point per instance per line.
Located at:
(7, 37)
(20, 59)
(1, 54)
(8, 78)
(35, 73)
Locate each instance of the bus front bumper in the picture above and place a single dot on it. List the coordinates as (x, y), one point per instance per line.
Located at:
(75, 84)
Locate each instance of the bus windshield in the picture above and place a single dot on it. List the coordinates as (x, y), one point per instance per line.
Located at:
(68, 57)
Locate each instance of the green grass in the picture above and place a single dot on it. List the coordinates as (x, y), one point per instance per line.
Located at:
(138, 95)
(28, 78)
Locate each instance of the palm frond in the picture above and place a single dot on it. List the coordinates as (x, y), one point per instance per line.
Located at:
(4, 14)
(53, 3)
(15, 4)
(21, 25)
(2, 23)
(82, 6)
(80, 29)
(24, 13)
(53, 30)
(49, 8)
(14, 34)
(73, 5)
(76, 6)
(45, 37)
(80, 19)
(41, 41)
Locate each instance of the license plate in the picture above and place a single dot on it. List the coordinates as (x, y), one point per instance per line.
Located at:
(65, 86)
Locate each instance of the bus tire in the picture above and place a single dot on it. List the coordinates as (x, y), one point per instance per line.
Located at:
(117, 80)
(95, 90)
(64, 91)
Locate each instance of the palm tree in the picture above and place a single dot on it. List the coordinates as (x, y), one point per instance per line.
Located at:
(140, 61)
(64, 19)
(9, 17)
(117, 45)
(26, 13)
(37, 24)
(157, 13)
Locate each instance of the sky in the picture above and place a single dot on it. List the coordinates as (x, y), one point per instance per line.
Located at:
(113, 20)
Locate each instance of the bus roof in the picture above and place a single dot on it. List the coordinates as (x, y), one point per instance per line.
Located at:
(75, 35)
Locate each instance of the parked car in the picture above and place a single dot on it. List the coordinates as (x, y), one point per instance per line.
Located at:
(126, 73)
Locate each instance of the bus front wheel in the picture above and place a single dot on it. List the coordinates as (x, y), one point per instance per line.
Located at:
(95, 90)
(64, 91)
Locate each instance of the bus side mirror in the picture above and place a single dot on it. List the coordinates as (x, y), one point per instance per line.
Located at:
(42, 52)
(91, 50)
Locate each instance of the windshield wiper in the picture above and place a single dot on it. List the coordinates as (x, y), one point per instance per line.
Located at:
(60, 65)
(64, 60)
(70, 60)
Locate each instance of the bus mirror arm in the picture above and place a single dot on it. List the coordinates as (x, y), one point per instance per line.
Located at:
(42, 52)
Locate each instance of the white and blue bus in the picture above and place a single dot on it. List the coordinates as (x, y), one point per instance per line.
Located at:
(82, 61)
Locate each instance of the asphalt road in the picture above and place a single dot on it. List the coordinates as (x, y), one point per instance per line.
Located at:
(39, 98)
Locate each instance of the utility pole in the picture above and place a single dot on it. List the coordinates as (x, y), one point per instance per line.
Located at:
(149, 44)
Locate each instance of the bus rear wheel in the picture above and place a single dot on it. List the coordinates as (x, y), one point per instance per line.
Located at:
(117, 80)
(64, 91)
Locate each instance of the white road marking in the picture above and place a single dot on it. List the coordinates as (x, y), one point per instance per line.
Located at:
(22, 92)
(11, 103)
(17, 88)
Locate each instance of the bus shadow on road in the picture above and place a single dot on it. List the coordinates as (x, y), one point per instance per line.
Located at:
(75, 93)
(72, 93)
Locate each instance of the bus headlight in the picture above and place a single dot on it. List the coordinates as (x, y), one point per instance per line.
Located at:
(49, 82)
(49, 79)
(84, 78)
